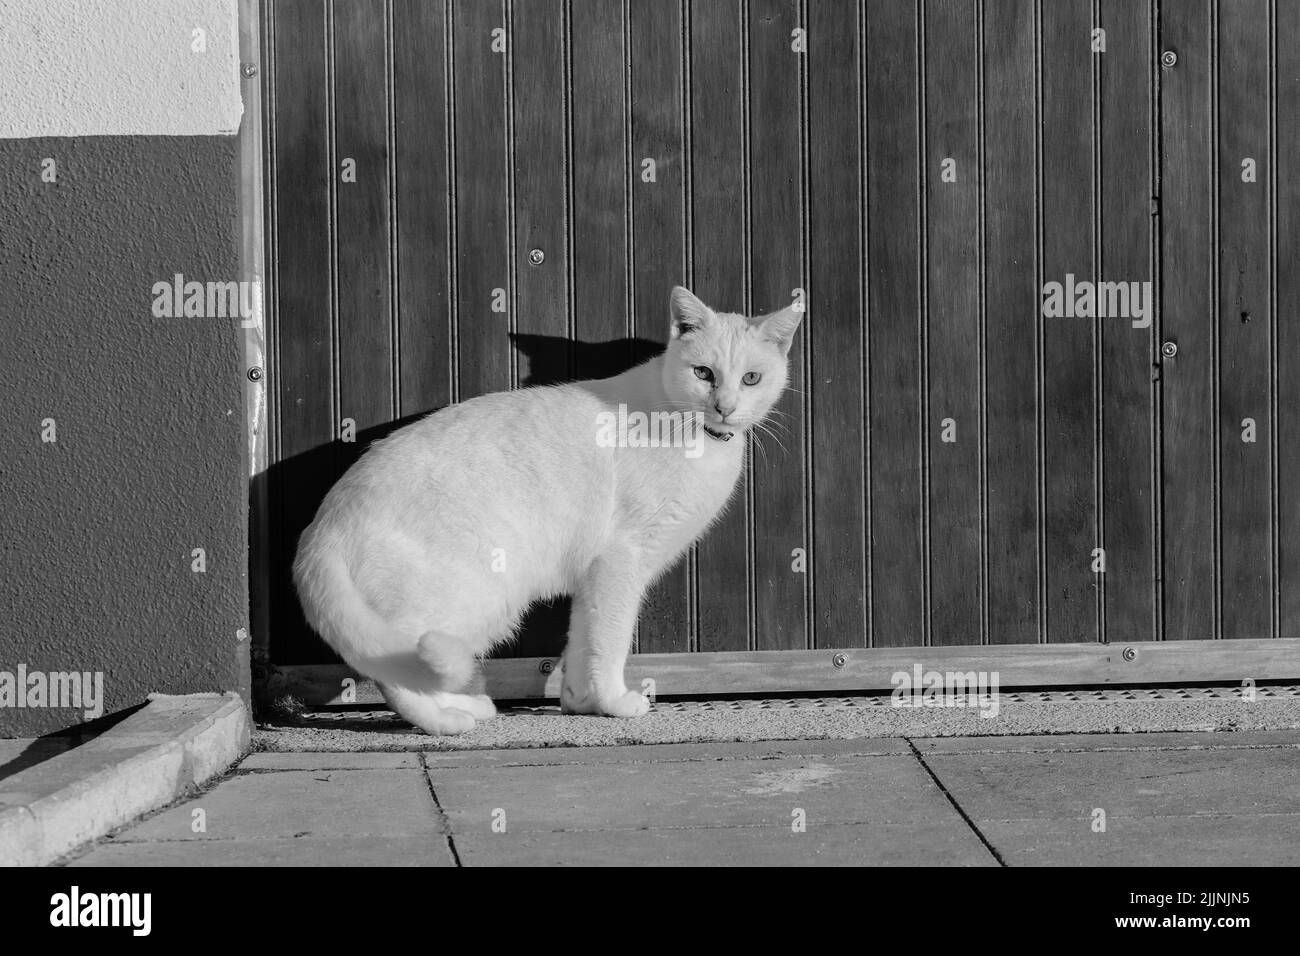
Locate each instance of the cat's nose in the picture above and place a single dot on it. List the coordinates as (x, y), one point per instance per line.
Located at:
(724, 410)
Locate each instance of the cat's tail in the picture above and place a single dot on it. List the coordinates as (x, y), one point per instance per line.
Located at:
(335, 607)
(339, 612)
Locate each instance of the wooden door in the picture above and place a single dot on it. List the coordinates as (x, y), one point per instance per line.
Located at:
(475, 195)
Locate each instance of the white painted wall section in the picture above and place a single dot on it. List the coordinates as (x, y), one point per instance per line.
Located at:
(119, 68)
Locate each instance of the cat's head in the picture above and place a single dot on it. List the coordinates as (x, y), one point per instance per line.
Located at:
(729, 368)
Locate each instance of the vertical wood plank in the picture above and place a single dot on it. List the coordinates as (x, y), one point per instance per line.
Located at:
(303, 373)
(423, 239)
(1068, 225)
(1013, 320)
(365, 321)
(1287, 328)
(953, 334)
(894, 316)
(482, 201)
(1244, 319)
(600, 177)
(776, 170)
(542, 343)
(1188, 430)
(718, 202)
(655, 31)
(541, 214)
(835, 327)
(1127, 353)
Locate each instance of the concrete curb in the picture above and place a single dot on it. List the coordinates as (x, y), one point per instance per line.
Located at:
(143, 763)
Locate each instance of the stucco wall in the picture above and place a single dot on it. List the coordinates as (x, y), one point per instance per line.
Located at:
(119, 67)
(98, 528)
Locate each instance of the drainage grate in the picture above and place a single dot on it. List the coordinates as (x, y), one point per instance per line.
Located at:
(1076, 695)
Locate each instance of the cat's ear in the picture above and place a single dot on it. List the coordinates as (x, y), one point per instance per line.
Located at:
(688, 313)
(779, 327)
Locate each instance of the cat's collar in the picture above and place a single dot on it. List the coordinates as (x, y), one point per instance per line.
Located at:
(720, 436)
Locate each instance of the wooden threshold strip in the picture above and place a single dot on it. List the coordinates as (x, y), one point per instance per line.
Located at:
(860, 669)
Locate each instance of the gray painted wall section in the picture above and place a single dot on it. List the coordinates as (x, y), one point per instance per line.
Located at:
(97, 529)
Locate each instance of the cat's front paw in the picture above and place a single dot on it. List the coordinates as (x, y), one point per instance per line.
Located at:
(625, 703)
(631, 704)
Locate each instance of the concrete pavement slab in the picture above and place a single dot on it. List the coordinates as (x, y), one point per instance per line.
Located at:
(729, 793)
(1167, 806)
(1127, 783)
(297, 803)
(815, 802)
(1209, 841)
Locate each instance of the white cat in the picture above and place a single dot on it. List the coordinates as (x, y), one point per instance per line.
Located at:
(428, 551)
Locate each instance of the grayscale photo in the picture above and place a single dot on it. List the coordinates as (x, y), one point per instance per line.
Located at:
(651, 433)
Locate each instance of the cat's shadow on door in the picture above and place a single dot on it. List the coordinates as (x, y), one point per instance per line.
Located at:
(294, 487)
(552, 359)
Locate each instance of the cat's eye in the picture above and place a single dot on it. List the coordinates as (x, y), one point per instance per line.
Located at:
(704, 372)
(751, 378)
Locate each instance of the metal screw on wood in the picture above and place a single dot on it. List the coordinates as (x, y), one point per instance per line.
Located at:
(250, 70)
(537, 257)
(1169, 349)
(839, 660)
(1168, 59)
(546, 667)
(1130, 654)
(255, 373)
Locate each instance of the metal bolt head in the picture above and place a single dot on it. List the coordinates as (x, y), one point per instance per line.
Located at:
(537, 257)
(1169, 349)
(249, 70)
(255, 373)
(1168, 59)
(546, 667)
(839, 660)
(1130, 654)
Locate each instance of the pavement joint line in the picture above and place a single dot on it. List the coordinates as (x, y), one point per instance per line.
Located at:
(955, 805)
(1198, 815)
(624, 763)
(855, 755)
(177, 841)
(307, 837)
(258, 771)
(689, 827)
(442, 816)
(490, 759)
(781, 827)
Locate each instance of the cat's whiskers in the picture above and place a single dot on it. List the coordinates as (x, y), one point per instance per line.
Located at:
(771, 426)
(775, 424)
(764, 429)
